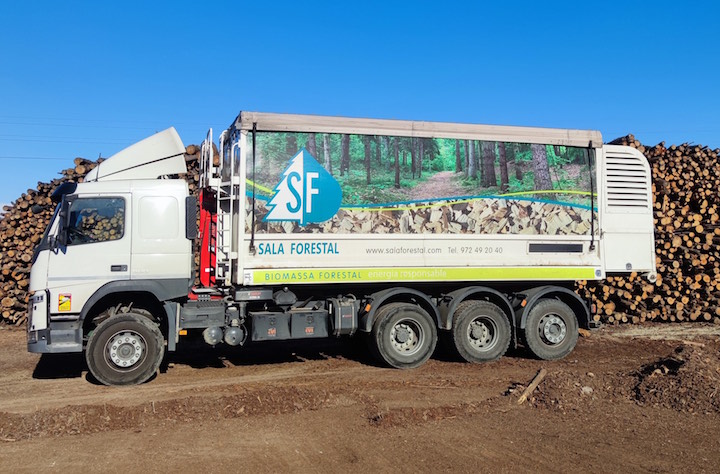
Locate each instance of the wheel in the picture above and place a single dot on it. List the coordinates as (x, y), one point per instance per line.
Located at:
(125, 349)
(481, 332)
(403, 335)
(551, 329)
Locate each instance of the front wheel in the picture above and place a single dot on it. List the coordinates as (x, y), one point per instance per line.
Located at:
(551, 329)
(403, 335)
(126, 349)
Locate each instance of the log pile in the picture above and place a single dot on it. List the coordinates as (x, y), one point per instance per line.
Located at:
(23, 223)
(20, 231)
(686, 184)
(686, 187)
(480, 216)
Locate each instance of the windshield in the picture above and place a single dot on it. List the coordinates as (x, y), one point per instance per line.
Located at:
(44, 244)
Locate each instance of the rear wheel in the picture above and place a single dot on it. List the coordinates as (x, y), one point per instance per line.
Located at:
(551, 329)
(403, 335)
(481, 331)
(126, 349)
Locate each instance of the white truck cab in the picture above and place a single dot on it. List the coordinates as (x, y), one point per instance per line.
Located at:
(121, 232)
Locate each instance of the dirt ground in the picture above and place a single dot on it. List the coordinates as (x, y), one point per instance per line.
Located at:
(628, 399)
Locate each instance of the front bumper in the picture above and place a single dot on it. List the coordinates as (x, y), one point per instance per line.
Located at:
(58, 338)
(47, 336)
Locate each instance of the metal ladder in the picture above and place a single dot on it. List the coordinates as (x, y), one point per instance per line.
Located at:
(223, 181)
(227, 200)
(207, 169)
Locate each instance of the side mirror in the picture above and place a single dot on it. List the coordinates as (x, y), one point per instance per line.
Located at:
(53, 243)
(61, 238)
(64, 223)
(63, 190)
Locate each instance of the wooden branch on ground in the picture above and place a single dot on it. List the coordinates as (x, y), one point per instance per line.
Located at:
(533, 385)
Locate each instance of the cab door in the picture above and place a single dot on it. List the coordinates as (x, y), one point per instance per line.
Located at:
(95, 250)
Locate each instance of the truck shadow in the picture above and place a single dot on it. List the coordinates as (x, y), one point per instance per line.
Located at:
(197, 354)
(64, 366)
(59, 366)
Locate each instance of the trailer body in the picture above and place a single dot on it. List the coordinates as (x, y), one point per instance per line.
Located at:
(316, 227)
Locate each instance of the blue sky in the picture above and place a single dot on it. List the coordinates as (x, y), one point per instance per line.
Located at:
(90, 78)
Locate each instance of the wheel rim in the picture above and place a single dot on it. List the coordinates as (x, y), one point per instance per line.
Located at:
(552, 329)
(125, 349)
(482, 333)
(407, 337)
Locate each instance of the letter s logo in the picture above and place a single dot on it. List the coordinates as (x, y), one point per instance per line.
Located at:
(306, 194)
(294, 176)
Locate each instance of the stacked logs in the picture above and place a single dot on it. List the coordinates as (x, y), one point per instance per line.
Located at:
(686, 184)
(23, 224)
(21, 229)
(482, 216)
(686, 187)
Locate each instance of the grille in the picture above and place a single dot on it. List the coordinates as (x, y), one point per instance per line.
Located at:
(628, 182)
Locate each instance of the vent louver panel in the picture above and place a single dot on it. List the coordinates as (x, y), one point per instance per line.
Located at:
(628, 182)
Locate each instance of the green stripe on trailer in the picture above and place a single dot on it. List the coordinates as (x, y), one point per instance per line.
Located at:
(363, 275)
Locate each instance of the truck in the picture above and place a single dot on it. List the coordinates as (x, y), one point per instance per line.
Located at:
(310, 227)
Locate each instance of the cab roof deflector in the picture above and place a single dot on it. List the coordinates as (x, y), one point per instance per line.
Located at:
(158, 155)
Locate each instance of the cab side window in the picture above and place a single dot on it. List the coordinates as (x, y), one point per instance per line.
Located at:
(96, 220)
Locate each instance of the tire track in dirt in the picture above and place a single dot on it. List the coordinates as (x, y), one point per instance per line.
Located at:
(78, 391)
(320, 410)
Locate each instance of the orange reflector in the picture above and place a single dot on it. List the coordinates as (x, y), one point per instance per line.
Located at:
(367, 308)
(524, 303)
(182, 332)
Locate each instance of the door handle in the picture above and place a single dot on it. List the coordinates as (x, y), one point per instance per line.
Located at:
(118, 268)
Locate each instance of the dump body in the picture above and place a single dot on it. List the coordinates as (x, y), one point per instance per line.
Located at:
(340, 200)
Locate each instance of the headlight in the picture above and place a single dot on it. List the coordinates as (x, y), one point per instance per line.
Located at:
(37, 311)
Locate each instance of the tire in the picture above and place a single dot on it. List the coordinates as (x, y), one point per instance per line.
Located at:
(126, 349)
(404, 335)
(551, 329)
(481, 331)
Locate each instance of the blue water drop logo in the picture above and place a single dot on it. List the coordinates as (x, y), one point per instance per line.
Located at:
(307, 193)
